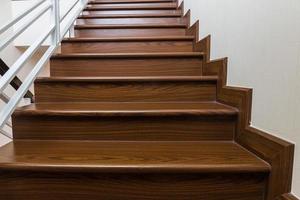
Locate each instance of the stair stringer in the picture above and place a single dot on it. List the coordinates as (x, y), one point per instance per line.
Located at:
(277, 152)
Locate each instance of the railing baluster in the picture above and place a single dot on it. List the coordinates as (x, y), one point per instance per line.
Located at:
(56, 36)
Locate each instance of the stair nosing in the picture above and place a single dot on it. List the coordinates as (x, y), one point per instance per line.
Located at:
(225, 111)
(130, 39)
(129, 26)
(130, 55)
(129, 79)
(166, 168)
(128, 2)
(95, 8)
(89, 16)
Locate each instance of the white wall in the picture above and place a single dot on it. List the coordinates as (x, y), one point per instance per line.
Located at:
(41, 25)
(262, 40)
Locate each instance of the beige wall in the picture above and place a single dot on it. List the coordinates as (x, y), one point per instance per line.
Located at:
(262, 40)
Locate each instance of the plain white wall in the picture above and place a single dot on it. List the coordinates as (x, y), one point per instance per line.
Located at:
(262, 40)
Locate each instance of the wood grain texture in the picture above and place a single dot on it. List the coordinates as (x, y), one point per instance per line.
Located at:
(125, 45)
(130, 157)
(136, 30)
(94, 15)
(288, 197)
(126, 89)
(77, 186)
(126, 121)
(130, 170)
(133, 12)
(133, 6)
(129, 1)
(277, 152)
(130, 20)
(149, 64)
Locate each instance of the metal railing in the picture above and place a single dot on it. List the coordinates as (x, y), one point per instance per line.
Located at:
(54, 31)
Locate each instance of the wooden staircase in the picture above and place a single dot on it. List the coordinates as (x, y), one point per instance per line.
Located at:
(134, 109)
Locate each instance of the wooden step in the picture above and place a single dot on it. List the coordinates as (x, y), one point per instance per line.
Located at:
(99, 16)
(132, 6)
(78, 170)
(133, 12)
(136, 121)
(129, 1)
(130, 20)
(125, 89)
(133, 30)
(127, 64)
(128, 45)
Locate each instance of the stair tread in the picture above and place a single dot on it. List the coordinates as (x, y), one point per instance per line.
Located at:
(116, 26)
(130, 157)
(161, 38)
(129, 15)
(128, 55)
(129, 1)
(131, 7)
(128, 78)
(129, 109)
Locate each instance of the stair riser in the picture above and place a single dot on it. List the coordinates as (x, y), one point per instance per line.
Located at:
(130, 12)
(129, 32)
(119, 21)
(127, 46)
(163, 5)
(130, 1)
(81, 186)
(126, 67)
(160, 128)
(124, 91)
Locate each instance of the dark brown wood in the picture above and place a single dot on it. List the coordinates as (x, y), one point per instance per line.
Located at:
(288, 197)
(129, 44)
(133, 64)
(137, 71)
(130, 157)
(133, 6)
(133, 12)
(275, 151)
(135, 30)
(143, 15)
(130, 170)
(16, 82)
(128, 89)
(126, 121)
(128, 1)
(130, 20)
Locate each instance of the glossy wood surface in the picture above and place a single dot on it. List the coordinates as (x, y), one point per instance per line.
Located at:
(132, 64)
(128, 1)
(125, 90)
(129, 20)
(135, 157)
(126, 121)
(135, 109)
(133, 6)
(125, 45)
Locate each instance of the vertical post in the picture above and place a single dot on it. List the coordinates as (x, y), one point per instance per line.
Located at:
(55, 17)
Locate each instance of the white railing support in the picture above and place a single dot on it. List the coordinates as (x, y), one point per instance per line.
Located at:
(56, 36)
(55, 16)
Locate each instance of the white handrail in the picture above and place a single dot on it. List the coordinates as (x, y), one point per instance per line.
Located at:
(20, 16)
(55, 26)
(64, 32)
(8, 40)
(68, 11)
(16, 67)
